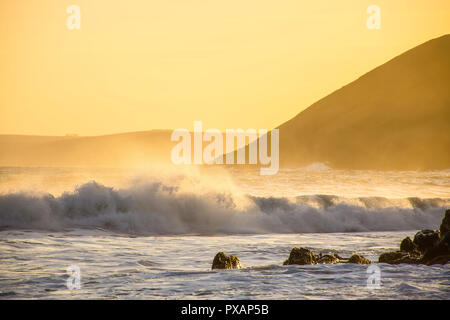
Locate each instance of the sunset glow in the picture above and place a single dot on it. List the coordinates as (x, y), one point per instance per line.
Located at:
(140, 65)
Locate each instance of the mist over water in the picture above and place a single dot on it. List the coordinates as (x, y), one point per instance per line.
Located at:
(318, 178)
(196, 202)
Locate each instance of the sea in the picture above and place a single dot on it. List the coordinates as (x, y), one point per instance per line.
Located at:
(152, 233)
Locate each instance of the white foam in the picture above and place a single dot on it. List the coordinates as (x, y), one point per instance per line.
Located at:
(158, 208)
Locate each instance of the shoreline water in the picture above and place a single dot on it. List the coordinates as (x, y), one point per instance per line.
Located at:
(178, 267)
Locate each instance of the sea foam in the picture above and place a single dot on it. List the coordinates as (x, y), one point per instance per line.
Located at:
(160, 208)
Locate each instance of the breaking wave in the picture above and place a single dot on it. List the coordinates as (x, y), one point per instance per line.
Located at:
(158, 208)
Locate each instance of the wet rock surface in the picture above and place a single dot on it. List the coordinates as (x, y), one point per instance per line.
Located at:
(445, 224)
(223, 261)
(327, 259)
(425, 239)
(407, 245)
(428, 247)
(303, 256)
(358, 259)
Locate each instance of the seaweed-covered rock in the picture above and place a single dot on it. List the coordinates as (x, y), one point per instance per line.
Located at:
(301, 256)
(223, 261)
(358, 259)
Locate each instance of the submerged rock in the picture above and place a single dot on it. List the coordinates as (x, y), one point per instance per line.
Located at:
(304, 256)
(428, 247)
(223, 261)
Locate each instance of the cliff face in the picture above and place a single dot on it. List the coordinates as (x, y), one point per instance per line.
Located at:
(396, 116)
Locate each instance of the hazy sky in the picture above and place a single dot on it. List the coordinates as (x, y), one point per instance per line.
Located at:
(145, 64)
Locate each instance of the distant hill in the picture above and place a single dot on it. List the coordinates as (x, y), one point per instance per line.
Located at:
(396, 116)
(127, 149)
(116, 150)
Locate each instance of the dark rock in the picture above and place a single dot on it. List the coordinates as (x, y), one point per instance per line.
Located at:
(223, 261)
(444, 241)
(327, 259)
(439, 253)
(304, 256)
(300, 256)
(426, 239)
(358, 259)
(339, 257)
(397, 257)
(391, 257)
(439, 260)
(440, 250)
(407, 245)
(445, 224)
(428, 247)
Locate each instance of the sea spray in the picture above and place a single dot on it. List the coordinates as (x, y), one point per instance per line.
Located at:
(155, 207)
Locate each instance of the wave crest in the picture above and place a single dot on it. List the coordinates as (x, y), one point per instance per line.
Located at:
(158, 208)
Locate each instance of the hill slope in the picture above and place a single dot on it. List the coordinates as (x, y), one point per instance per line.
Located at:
(397, 116)
(127, 149)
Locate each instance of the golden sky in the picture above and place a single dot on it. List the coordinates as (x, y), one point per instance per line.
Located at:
(145, 64)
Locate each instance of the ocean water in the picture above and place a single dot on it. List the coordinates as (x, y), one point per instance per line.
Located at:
(152, 234)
